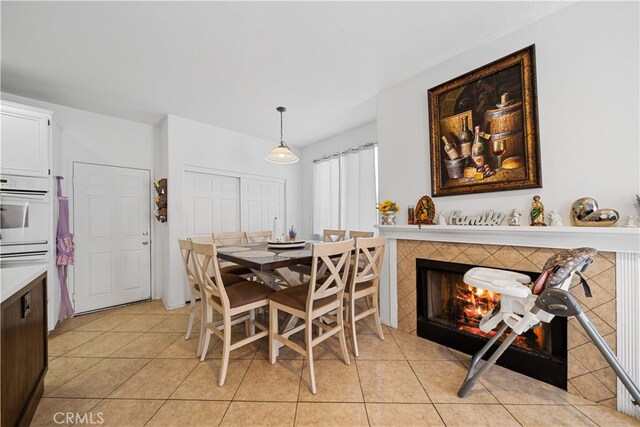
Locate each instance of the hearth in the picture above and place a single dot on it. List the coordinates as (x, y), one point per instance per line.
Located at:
(449, 312)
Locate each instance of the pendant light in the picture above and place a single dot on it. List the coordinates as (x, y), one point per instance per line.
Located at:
(281, 154)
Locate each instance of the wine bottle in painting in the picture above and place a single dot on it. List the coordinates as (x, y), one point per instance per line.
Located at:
(451, 149)
(465, 137)
(477, 149)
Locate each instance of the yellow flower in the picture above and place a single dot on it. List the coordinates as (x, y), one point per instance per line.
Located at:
(388, 206)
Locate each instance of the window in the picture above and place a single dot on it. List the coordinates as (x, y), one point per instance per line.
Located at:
(345, 190)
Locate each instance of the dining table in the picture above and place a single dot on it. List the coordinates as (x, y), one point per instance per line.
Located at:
(271, 265)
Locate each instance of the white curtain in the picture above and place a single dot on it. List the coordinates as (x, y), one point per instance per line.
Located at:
(344, 191)
(358, 191)
(326, 195)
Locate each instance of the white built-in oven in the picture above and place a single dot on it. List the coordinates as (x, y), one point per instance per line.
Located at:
(24, 218)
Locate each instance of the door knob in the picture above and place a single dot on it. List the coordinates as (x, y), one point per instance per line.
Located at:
(145, 233)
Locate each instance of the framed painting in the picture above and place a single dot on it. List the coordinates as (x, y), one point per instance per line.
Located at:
(483, 129)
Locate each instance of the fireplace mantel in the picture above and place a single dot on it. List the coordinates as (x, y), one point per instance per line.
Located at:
(624, 242)
(609, 239)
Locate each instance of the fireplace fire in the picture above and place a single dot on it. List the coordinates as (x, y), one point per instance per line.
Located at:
(471, 304)
(450, 311)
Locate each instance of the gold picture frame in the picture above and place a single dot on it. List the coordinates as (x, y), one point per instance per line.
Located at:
(501, 99)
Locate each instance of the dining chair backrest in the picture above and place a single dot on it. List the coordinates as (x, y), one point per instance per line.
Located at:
(358, 234)
(229, 238)
(368, 258)
(205, 256)
(186, 251)
(333, 235)
(335, 257)
(207, 238)
(258, 236)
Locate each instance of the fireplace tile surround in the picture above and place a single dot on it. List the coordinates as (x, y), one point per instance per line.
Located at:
(589, 375)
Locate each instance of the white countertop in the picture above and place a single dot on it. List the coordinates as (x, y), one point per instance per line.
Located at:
(15, 278)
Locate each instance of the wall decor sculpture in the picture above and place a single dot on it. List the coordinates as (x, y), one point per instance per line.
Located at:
(484, 129)
(161, 199)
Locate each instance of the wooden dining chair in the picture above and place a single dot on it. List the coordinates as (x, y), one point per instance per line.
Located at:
(258, 236)
(186, 251)
(363, 283)
(229, 238)
(236, 303)
(358, 234)
(333, 235)
(188, 258)
(310, 301)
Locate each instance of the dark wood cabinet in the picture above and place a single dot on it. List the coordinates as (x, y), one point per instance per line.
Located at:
(23, 352)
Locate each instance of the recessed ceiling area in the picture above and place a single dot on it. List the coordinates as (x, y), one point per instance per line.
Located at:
(230, 64)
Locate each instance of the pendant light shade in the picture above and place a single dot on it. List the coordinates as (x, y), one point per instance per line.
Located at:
(281, 154)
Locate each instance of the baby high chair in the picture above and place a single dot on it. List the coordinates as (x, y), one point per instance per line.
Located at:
(523, 305)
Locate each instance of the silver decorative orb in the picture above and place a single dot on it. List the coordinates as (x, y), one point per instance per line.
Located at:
(585, 213)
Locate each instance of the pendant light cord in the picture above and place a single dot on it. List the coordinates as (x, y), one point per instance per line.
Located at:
(281, 140)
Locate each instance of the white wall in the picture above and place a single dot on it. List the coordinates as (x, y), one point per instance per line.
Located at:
(82, 136)
(351, 138)
(196, 144)
(587, 79)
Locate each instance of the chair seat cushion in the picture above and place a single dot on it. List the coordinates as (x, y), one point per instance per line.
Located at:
(360, 286)
(245, 292)
(227, 279)
(296, 297)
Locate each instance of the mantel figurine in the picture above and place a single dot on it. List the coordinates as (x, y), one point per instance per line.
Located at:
(514, 217)
(425, 211)
(554, 219)
(537, 212)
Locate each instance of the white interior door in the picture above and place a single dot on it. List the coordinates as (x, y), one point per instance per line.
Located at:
(211, 203)
(111, 211)
(262, 201)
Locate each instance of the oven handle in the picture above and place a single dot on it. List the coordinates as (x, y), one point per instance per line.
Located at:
(23, 257)
(24, 196)
(23, 243)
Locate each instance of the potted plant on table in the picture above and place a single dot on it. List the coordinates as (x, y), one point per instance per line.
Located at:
(388, 211)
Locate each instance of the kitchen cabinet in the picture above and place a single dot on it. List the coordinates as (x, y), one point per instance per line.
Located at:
(23, 344)
(26, 140)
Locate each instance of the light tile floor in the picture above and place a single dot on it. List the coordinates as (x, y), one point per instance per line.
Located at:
(131, 366)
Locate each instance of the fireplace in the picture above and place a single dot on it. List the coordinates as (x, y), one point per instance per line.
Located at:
(449, 312)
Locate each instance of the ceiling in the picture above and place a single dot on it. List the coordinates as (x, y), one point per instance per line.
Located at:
(230, 64)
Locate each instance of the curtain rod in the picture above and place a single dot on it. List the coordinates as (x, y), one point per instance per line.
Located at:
(347, 151)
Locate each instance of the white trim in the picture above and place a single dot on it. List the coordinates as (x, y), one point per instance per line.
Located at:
(628, 325)
(609, 239)
(26, 107)
(212, 171)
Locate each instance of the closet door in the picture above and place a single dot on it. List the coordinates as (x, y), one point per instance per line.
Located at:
(262, 201)
(211, 203)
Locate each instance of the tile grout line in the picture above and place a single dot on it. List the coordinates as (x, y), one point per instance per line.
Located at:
(511, 414)
(157, 410)
(364, 400)
(77, 375)
(239, 384)
(130, 376)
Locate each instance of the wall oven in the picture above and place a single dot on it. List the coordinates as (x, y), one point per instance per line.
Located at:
(24, 218)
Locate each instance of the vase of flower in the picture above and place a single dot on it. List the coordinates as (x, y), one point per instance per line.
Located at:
(388, 211)
(388, 218)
